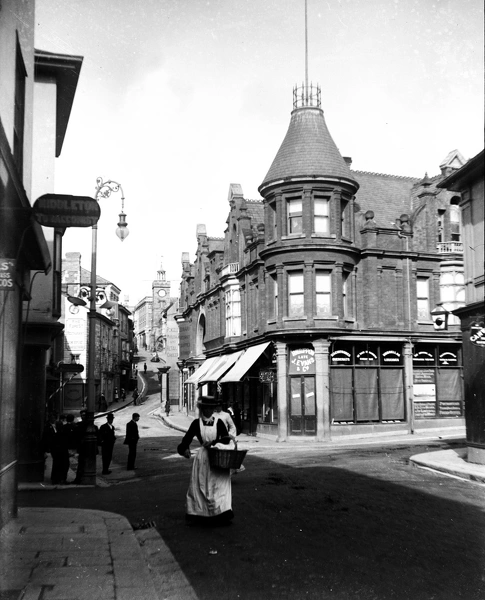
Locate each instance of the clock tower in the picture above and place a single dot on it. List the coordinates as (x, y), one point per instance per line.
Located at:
(161, 302)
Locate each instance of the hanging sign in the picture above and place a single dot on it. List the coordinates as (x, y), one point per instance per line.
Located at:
(477, 335)
(59, 210)
(302, 362)
(7, 274)
(267, 376)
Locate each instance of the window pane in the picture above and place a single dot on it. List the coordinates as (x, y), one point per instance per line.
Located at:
(309, 396)
(323, 304)
(323, 282)
(422, 287)
(341, 394)
(321, 207)
(294, 206)
(366, 396)
(423, 309)
(296, 305)
(295, 225)
(296, 282)
(295, 396)
(392, 394)
(321, 225)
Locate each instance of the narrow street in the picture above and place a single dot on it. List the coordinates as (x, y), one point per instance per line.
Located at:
(309, 522)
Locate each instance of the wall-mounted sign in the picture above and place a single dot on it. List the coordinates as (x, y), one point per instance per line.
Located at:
(58, 210)
(477, 335)
(267, 376)
(423, 357)
(448, 358)
(366, 356)
(391, 356)
(302, 362)
(341, 356)
(7, 274)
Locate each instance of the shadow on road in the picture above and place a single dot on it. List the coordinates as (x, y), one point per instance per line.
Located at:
(311, 530)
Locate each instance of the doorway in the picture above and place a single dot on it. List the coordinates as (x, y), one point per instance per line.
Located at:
(303, 418)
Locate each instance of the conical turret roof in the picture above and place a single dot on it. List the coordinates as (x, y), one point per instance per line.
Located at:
(308, 151)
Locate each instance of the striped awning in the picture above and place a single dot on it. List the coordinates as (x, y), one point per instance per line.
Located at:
(219, 368)
(243, 365)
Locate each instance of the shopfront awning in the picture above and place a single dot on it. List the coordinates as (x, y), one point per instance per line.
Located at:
(219, 368)
(202, 370)
(244, 363)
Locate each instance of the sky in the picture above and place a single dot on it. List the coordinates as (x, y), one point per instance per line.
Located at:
(177, 99)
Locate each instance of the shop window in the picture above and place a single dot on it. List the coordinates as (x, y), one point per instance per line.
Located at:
(366, 383)
(422, 292)
(323, 288)
(321, 218)
(437, 381)
(295, 294)
(295, 216)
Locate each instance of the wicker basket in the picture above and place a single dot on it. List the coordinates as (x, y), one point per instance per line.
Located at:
(226, 459)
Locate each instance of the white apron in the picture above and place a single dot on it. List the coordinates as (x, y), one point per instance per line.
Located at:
(209, 491)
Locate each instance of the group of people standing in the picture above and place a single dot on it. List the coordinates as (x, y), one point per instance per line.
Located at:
(63, 437)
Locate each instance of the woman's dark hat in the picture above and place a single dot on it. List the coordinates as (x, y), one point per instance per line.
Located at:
(208, 401)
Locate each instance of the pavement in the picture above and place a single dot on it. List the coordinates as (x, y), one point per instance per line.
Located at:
(71, 554)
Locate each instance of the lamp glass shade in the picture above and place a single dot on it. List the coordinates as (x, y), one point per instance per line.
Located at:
(122, 230)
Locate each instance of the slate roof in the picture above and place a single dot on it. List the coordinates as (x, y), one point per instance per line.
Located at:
(216, 244)
(86, 278)
(255, 211)
(308, 150)
(389, 196)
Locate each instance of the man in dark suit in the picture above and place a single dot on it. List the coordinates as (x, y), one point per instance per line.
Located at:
(107, 439)
(56, 444)
(131, 440)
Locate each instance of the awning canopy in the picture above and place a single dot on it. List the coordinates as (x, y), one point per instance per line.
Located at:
(202, 370)
(221, 366)
(245, 363)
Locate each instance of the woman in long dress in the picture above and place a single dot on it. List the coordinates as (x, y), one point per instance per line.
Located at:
(209, 497)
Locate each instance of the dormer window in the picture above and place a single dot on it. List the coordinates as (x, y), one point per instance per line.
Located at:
(321, 218)
(295, 219)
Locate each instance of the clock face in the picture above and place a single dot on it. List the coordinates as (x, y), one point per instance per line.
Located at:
(161, 293)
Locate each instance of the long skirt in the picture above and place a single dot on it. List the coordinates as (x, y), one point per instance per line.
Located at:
(209, 493)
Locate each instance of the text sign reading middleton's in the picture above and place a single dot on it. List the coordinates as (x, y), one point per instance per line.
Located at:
(57, 210)
(302, 361)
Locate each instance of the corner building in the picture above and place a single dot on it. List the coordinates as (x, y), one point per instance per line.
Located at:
(313, 315)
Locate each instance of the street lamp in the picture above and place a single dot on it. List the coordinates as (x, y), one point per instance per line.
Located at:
(103, 190)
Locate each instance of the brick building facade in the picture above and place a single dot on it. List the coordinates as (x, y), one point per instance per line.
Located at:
(313, 314)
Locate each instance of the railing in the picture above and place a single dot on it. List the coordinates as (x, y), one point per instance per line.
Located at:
(450, 247)
(230, 269)
(307, 95)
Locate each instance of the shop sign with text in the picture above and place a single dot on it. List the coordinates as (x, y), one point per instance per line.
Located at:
(7, 274)
(302, 362)
(56, 210)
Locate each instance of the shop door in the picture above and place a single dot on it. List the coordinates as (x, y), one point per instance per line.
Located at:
(303, 419)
